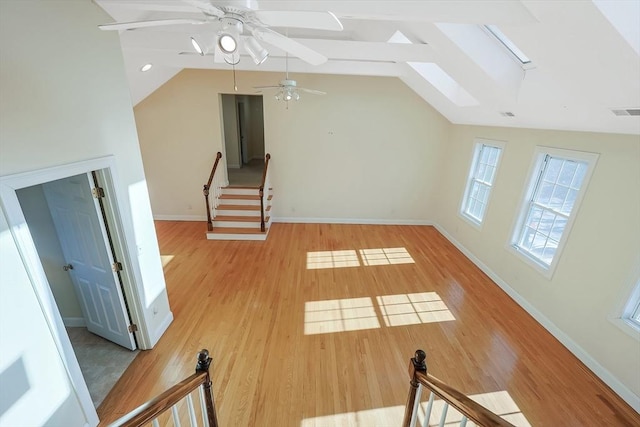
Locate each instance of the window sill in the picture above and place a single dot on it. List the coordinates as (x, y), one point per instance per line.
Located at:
(546, 272)
(470, 220)
(627, 327)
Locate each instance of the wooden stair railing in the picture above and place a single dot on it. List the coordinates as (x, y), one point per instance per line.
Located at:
(206, 188)
(262, 186)
(169, 400)
(470, 410)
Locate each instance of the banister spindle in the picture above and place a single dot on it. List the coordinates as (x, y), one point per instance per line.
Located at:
(417, 364)
(443, 417)
(427, 412)
(261, 191)
(204, 361)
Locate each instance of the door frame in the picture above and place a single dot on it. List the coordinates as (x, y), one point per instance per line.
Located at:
(106, 170)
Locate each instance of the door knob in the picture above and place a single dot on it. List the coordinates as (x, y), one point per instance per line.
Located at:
(67, 267)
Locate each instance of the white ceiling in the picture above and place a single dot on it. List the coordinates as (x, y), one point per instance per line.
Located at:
(585, 54)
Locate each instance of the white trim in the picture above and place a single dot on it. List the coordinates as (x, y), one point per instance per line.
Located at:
(162, 327)
(623, 391)
(74, 322)
(620, 315)
(180, 218)
(352, 221)
(26, 247)
(233, 236)
(17, 224)
(107, 178)
(534, 175)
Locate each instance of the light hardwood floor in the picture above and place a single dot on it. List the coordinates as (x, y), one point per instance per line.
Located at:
(250, 304)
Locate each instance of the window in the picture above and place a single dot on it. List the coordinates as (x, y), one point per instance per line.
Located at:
(556, 187)
(631, 314)
(507, 43)
(481, 176)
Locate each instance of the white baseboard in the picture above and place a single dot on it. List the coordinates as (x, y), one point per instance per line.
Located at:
(352, 221)
(161, 329)
(623, 391)
(180, 217)
(74, 322)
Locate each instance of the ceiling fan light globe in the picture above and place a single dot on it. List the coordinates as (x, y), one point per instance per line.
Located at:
(196, 46)
(258, 53)
(296, 96)
(227, 43)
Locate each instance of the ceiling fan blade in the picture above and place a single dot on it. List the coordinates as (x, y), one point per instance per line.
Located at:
(313, 91)
(206, 7)
(288, 45)
(145, 24)
(267, 87)
(299, 19)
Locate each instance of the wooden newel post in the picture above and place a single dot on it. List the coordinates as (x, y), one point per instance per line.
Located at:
(205, 191)
(416, 364)
(204, 361)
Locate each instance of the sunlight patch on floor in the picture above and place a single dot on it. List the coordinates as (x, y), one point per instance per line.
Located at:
(386, 256)
(378, 417)
(166, 259)
(349, 258)
(332, 259)
(498, 402)
(413, 309)
(341, 315)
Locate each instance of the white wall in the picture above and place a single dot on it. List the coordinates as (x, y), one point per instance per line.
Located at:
(35, 388)
(63, 99)
(38, 216)
(230, 126)
(256, 127)
(366, 151)
(600, 260)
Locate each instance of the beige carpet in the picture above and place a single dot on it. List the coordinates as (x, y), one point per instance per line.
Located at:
(248, 175)
(102, 362)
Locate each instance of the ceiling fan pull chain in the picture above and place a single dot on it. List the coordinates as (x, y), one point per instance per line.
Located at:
(235, 86)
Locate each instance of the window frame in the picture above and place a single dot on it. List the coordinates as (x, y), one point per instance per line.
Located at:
(632, 308)
(628, 305)
(479, 143)
(534, 177)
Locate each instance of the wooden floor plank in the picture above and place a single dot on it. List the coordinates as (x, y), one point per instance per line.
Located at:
(245, 302)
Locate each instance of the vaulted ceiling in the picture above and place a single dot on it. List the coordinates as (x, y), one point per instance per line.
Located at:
(584, 55)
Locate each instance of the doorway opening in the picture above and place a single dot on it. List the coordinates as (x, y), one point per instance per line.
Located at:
(72, 246)
(243, 129)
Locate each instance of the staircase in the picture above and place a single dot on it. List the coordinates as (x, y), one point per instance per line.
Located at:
(237, 214)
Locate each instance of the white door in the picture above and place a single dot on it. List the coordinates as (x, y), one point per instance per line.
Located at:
(83, 238)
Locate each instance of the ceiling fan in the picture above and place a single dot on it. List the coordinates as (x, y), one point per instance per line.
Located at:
(287, 89)
(240, 25)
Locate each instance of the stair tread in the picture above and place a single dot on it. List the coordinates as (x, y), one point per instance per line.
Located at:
(239, 218)
(243, 187)
(234, 230)
(240, 196)
(240, 208)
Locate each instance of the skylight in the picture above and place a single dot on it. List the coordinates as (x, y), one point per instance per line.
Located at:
(506, 42)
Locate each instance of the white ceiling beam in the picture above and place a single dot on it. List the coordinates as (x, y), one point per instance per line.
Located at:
(471, 12)
(333, 49)
(276, 64)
